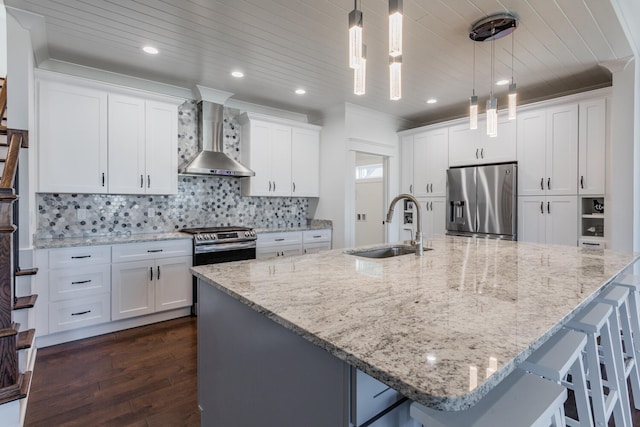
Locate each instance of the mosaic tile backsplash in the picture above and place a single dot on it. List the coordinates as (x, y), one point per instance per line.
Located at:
(201, 201)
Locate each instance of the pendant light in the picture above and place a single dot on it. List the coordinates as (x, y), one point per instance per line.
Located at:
(355, 36)
(360, 74)
(492, 102)
(395, 28)
(512, 88)
(473, 101)
(395, 78)
(490, 29)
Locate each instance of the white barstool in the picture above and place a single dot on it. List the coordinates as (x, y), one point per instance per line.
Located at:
(557, 359)
(621, 299)
(632, 282)
(521, 399)
(595, 320)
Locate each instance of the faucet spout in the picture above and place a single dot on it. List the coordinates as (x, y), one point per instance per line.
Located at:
(417, 242)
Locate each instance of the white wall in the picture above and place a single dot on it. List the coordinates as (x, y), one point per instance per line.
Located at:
(348, 129)
(3, 40)
(20, 108)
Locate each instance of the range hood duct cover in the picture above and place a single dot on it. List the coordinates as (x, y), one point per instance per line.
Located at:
(210, 159)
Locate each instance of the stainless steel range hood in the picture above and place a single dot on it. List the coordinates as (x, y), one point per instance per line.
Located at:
(210, 159)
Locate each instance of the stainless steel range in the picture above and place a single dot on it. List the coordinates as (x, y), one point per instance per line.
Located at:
(213, 245)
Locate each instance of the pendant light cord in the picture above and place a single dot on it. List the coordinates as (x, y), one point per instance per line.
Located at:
(493, 41)
(473, 92)
(512, 44)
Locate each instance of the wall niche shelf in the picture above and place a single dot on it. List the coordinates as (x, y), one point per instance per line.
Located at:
(593, 212)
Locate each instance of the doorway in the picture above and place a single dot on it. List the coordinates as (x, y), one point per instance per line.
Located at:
(369, 200)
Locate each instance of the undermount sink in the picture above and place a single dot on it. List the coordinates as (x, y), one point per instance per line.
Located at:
(385, 252)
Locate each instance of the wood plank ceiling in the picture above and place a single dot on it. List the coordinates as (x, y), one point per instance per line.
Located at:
(284, 44)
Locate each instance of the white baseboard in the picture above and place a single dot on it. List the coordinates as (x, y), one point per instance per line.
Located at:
(105, 328)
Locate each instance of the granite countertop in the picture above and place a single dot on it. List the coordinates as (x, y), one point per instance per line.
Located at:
(426, 325)
(107, 240)
(314, 224)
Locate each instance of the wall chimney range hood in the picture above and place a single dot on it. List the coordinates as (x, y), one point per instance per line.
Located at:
(210, 159)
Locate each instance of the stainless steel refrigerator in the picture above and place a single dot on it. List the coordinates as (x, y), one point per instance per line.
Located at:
(481, 201)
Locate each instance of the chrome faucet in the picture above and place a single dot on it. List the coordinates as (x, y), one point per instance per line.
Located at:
(417, 242)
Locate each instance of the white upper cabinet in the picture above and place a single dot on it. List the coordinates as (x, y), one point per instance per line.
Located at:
(548, 151)
(592, 147)
(406, 171)
(305, 167)
(72, 138)
(471, 147)
(93, 139)
(430, 160)
(283, 154)
(126, 144)
(143, 146)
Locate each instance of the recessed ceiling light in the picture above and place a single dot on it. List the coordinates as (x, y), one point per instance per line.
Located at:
(300, 91)
(431, 101)
(237, 74)
(503, 82)
(150, 50)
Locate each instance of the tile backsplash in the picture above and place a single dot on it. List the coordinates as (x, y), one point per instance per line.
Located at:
(201, 201)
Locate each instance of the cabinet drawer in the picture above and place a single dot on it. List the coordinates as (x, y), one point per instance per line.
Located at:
(314, 248)
(151, 250)
(72, 314)
(78, 256)
(593, 244)
(278, 251)
(311, 236)
(280, 238)
(78, 282)
(371, 397)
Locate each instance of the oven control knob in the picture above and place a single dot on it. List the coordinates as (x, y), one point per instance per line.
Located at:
(199, 236)
(253, 233)
(213, 236)
(246, 234)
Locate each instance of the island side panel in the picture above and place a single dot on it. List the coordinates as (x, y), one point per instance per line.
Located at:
(254, 372)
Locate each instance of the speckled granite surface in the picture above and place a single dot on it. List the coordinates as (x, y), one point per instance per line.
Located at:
(425, 326)
(106, 240)
(314, 224)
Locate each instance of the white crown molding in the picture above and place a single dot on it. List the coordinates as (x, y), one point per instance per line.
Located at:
(36, 26)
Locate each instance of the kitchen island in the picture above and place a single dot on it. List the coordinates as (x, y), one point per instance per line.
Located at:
(430, 327)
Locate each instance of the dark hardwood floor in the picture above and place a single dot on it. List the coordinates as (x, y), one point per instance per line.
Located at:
(139, 377)
(144, 376)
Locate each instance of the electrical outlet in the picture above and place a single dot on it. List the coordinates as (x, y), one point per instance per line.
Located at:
(82, 214)
(151, 212)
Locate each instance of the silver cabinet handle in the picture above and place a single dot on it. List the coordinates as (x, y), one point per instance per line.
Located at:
(141, 181)
(427, 187)
(411, 188)
(81, 282)
(269, 185)
(582, 182)
(80, 256)
(274, 186)
(548, 183)
(432, 187)
(542, 183)
(279, 240)
(476, 153)
(482, 153)
(103, 179)
(294, 187)
(542, 207)
(548, 207)
(150, 273)
(152, 251)
(431, 207)
(148, 181)
(158, 273)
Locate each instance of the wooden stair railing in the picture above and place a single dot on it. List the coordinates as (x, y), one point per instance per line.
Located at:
(13, 384)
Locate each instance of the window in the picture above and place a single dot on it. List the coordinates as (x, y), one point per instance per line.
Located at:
(369, 171)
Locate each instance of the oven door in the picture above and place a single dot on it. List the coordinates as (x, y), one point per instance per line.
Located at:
(223, 252)
(218, 253)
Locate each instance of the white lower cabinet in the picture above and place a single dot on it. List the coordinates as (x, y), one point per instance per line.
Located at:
(156, 282)
(78, 286)
(433, 217)
(550, 219)
(289, 243)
